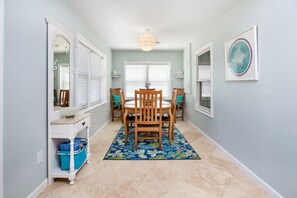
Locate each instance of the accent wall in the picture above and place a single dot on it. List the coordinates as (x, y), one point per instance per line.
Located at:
(119, 57)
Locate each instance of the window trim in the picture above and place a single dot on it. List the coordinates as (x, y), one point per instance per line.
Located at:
(80, 39)
(197, 106)
(150, 63)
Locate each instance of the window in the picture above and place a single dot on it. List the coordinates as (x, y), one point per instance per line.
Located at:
(90, 75)
(204, 81)
(156, 74)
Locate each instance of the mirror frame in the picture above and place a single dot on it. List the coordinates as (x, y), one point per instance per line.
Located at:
(55, 28)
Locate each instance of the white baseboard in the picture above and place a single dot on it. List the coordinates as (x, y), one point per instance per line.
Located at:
(262, 183)
(108, 121)
(38, 190)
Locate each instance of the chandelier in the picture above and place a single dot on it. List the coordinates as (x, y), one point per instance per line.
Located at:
(146, 41)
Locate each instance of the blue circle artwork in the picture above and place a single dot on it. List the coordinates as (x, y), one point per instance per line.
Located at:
(239, 57)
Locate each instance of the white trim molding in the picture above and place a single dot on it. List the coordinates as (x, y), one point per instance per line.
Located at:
(48, 19)
(1, 93)
(38, 190)
(197, 90)
(250, 173)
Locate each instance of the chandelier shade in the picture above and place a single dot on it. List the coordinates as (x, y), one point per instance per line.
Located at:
(146, 41)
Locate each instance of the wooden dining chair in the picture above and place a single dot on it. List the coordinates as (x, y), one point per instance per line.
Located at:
(115, 104)
(148, 106)
(130, 119)
(64, 98)
(166, 119)
(180, 103)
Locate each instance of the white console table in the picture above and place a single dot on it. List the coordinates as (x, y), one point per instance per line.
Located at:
(67, 128)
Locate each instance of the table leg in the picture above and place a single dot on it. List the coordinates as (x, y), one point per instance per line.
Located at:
(71, 165)
(125, 126)
(171, 132)
(88, 145)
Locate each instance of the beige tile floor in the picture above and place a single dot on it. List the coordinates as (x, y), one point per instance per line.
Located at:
(215, 175)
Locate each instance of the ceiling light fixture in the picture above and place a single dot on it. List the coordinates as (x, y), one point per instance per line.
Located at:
(146, 41)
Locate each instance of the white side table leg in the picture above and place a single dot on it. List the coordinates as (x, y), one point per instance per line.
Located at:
(88, 145)
(71, 166)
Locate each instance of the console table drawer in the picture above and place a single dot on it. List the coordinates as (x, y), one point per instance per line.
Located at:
(69, 127)
(82, 124)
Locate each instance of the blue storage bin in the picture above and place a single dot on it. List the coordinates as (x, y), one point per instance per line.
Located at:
(78, 143)
(79, 157)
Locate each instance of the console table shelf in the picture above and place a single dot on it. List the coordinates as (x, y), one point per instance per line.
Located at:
(67, 128)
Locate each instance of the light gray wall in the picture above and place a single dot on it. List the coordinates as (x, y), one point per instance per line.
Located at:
(120, 56)
(25, 88)
(1, 92)
(255, 121)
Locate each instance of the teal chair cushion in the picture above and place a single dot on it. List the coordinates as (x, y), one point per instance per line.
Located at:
(116, 100)
(179, 101)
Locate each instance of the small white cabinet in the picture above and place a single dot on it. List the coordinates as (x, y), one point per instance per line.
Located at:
(67, 128)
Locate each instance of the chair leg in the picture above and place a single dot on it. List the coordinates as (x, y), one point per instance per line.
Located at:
(160, 139)
(172, 132)
(182, 114)
(170, 135)
(126, 135)
(112, 115)
(174, 117)
(135, 141)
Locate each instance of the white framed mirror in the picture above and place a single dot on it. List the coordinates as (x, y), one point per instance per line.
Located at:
(60, 80)
(60, 68)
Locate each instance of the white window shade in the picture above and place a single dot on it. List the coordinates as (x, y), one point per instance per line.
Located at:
(102, 84)
(206, 89)
(159, 77)
(94, 78)
(90, 75)
(82, 77)
(204, 72)
(137, 75)
(159, 73)
(135, 72)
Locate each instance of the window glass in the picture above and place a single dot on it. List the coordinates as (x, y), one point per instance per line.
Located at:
(135, 72)
(157, 75)
(204, 81)
(204, 72)
(205, 94)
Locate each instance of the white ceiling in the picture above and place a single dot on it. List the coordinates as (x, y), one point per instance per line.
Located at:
(174, 23)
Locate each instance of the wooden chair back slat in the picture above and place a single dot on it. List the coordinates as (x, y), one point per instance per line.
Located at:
(148, 108)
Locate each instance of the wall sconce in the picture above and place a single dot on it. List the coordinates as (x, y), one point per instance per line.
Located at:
(115, 74)
(179, 74)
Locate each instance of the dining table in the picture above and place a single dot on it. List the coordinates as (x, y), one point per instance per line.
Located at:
(130, 109)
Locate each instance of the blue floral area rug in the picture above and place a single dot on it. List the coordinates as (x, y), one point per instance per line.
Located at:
(148, 149)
